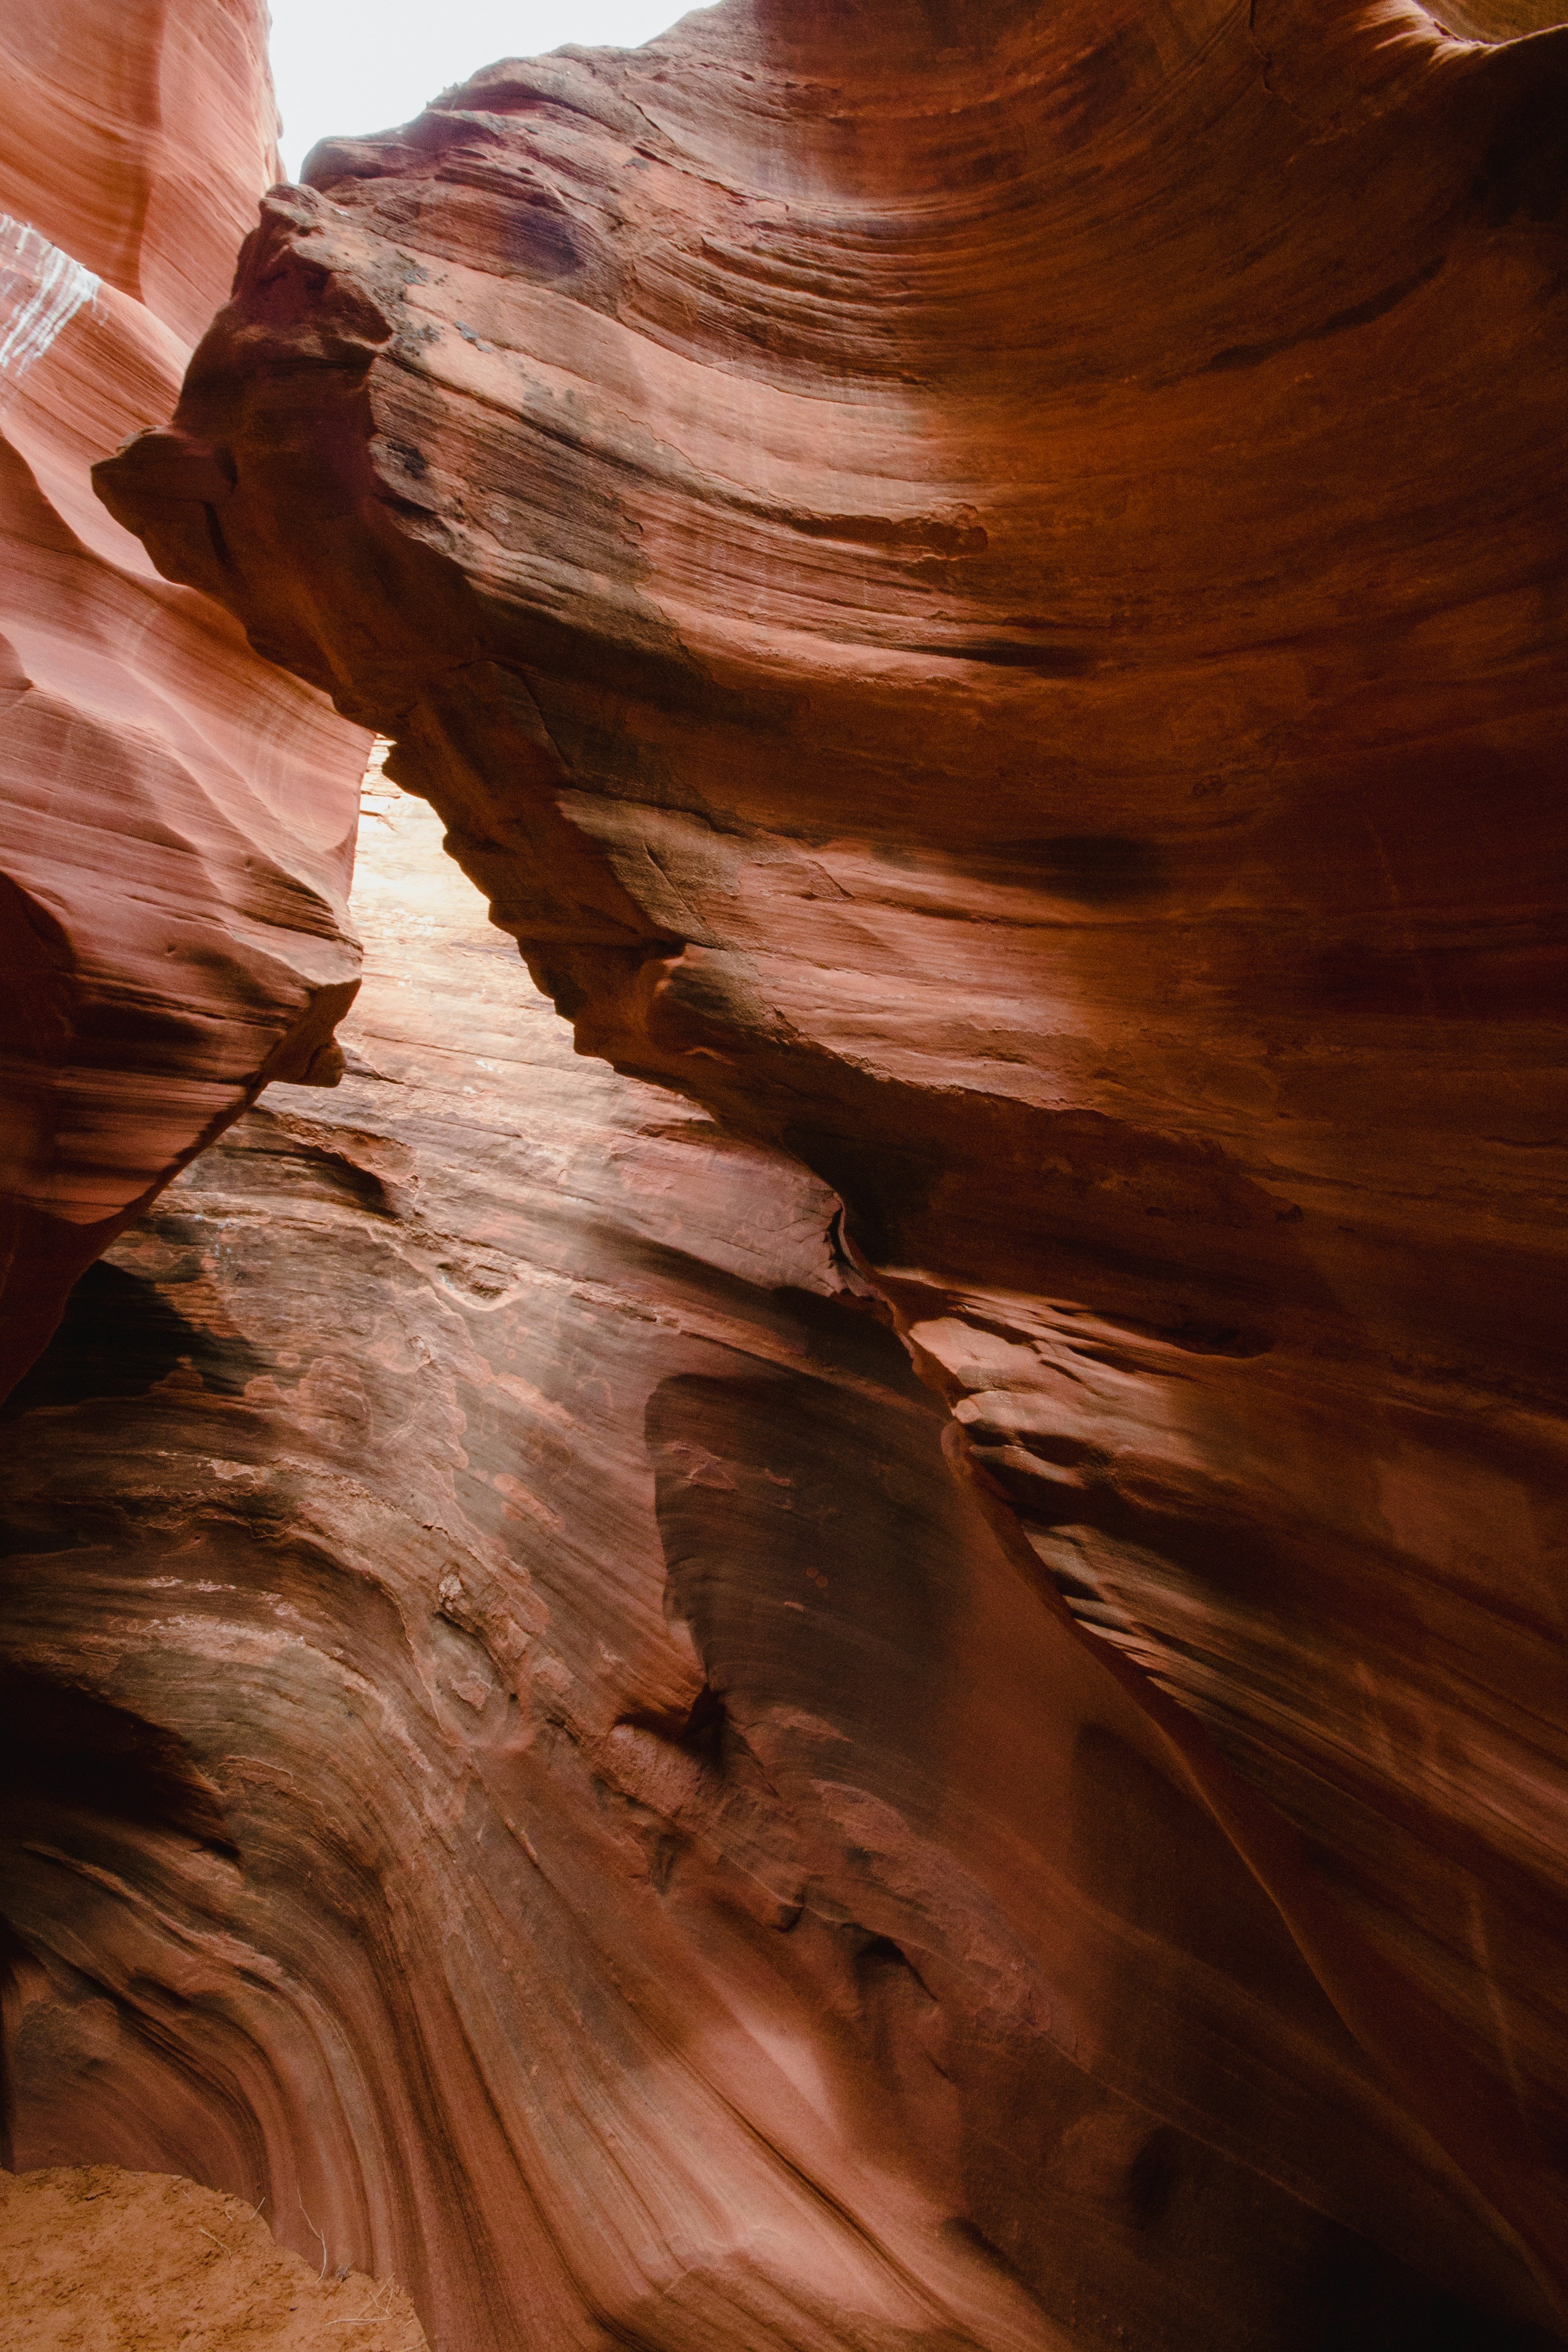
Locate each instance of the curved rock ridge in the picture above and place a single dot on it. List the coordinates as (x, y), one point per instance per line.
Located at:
(519, 1754)
(175, 816)
(983, 596)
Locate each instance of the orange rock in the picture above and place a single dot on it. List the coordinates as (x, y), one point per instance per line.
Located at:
(514, 1739)
(175, 815)
(982, 594)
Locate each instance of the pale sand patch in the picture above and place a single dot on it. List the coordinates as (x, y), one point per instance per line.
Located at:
(97, 2260)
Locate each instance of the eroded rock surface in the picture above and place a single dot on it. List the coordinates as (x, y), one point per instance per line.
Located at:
(175, 815)
(981, 595)
(519, 1751)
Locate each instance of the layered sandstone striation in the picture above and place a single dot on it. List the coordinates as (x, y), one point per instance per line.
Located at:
(520, 1754)
(175, 815)
(982, 596)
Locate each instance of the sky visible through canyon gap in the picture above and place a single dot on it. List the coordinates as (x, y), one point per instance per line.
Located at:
(354, 66)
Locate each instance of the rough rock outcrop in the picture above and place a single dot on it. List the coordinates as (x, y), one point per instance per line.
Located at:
(519, 1751)
(175, 815)
(982, 594)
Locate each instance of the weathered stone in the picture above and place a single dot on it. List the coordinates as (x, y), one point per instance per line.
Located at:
(522, 1753)
(980, 591)
(175, 815)
(981, 595)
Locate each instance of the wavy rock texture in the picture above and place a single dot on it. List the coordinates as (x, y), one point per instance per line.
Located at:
(519, 1752)
(175, 815)
(983, 596)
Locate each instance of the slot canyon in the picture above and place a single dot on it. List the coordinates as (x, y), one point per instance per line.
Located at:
(783, 907)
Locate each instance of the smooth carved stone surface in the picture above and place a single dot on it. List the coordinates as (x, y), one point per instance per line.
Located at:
(982, 593)
(138, 137)
(175, 815)
(519, 1750)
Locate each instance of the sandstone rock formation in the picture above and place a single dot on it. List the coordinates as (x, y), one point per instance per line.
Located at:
(175, 816)
(520, 1753)
(982, 594)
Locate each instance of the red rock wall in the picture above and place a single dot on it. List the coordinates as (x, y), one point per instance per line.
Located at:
(138, 138)
(175, 815)
(983, 597)
(520, 1754)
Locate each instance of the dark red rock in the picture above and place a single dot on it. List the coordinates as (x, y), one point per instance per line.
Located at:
(520, 1753)
(982, 596)
(175, 815)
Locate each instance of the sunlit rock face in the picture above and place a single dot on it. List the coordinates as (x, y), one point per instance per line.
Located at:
(520, 1754)
(175, 815)
(981, 591)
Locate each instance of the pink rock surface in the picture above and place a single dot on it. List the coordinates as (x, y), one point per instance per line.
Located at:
(175, 815)
(982, 595)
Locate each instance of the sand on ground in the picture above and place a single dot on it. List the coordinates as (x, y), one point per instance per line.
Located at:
(93, 2259)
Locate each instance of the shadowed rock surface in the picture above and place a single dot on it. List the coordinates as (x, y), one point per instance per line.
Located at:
(175, 816)
(518, 1749)
(981, 592)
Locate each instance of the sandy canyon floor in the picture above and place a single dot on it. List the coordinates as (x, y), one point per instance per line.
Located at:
(95, 2259)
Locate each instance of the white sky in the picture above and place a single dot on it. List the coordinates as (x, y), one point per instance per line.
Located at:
(352, 66)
